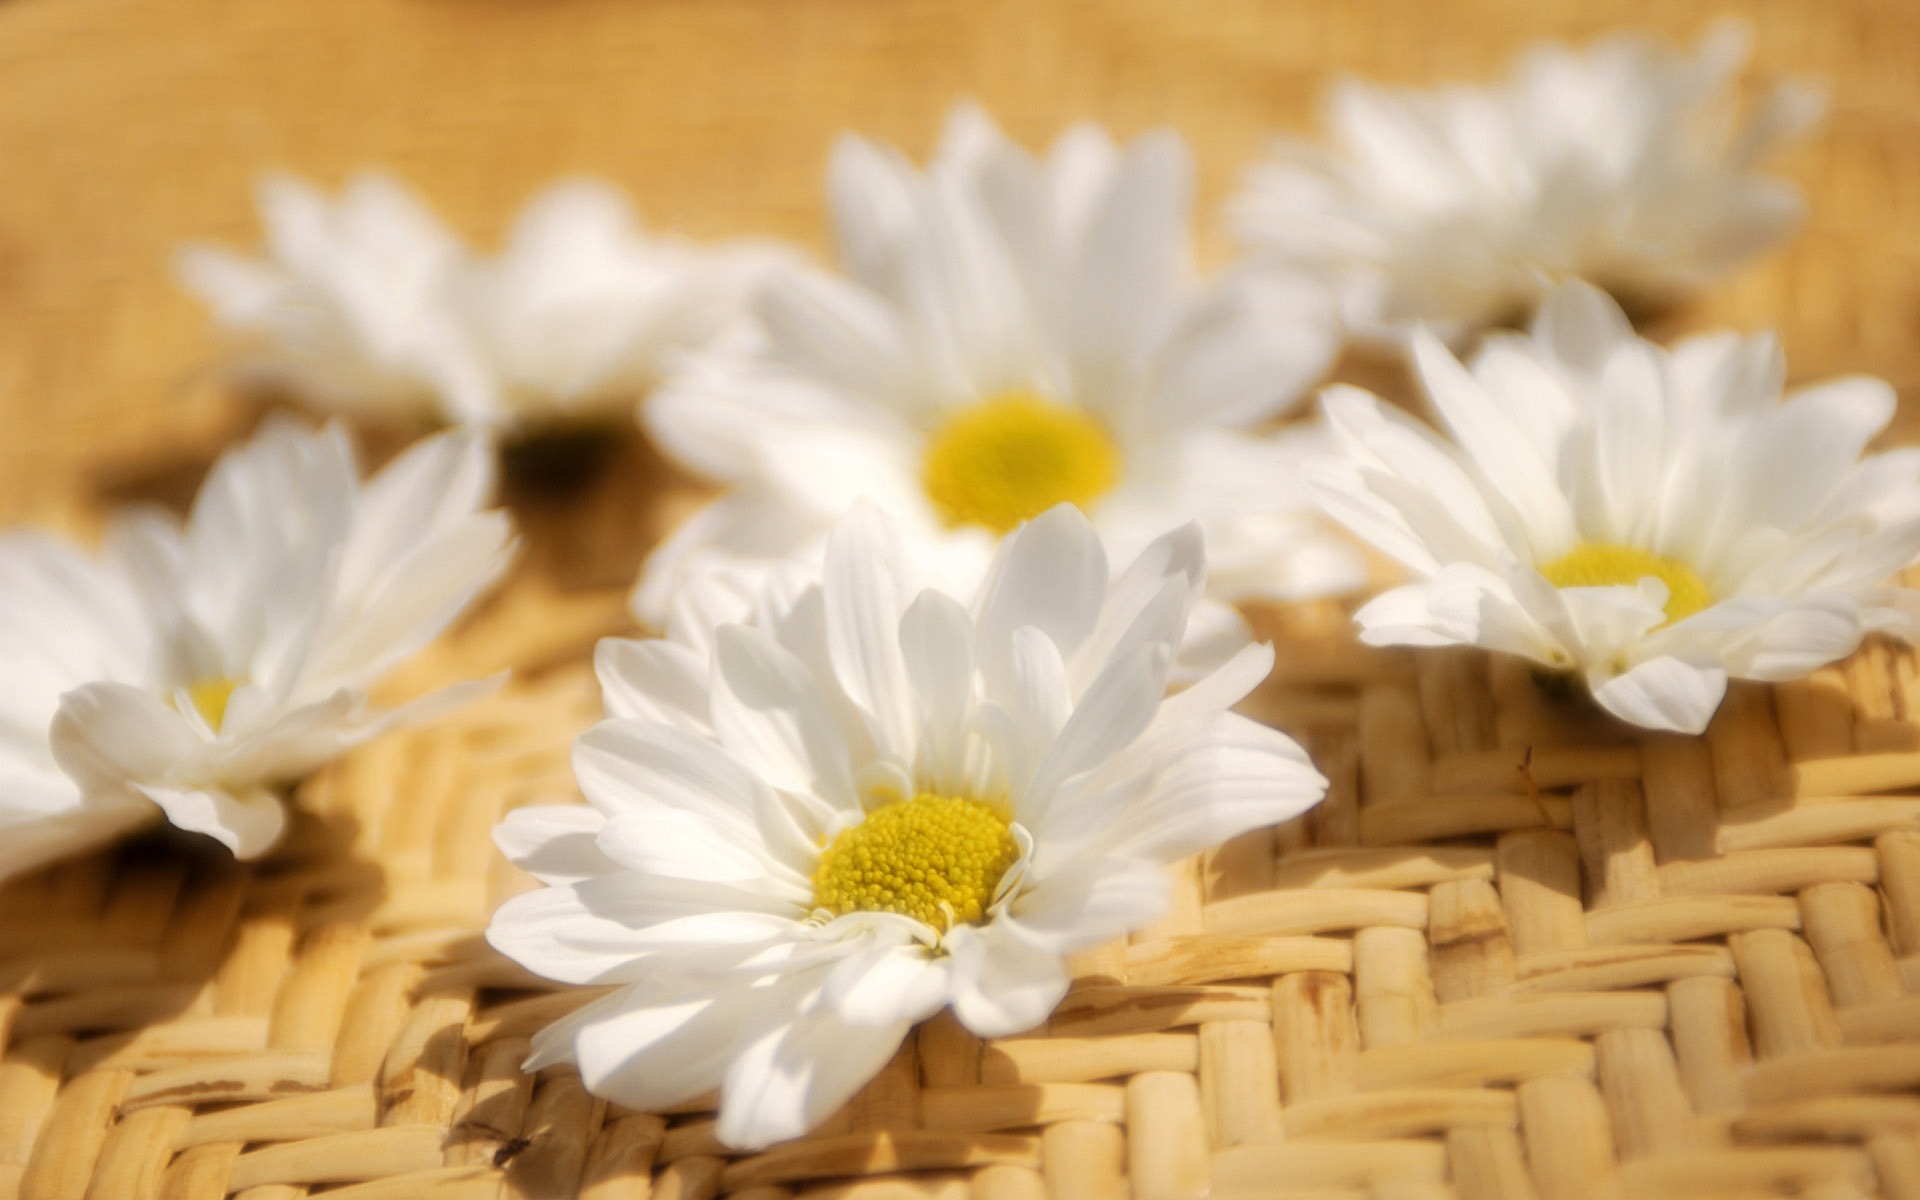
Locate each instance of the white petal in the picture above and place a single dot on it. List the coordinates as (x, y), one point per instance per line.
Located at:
(248, 822)
(1505, 455)
(1116, 708)
(738, 537)
(1132, 258)
(616, 928)
(936, 646)
(1617, 495)
(866, 580)
(237, 288)
(653, 680)
(149, 546)
(1036, 707)
(1246, 349)
(1768, 637)
(638, 766)
(1466, 604)
(769, 713)
(1051, 573)
(840, 334)
(1079, 172)
(1598, 625)
(1415, 615)
(1799, 454)
(1215, 634)
(1003, 982)
(1219, 779)
(1091, 901)
(1149, 602)
(648, 1048)
(437, 485)
(1402, 488)
(1013, 189)
(1224, 684)
(673, 843)
(872, 193)
(64, 619)
(1663, 693)
(892, 979)
(786, 1082)
(963, 293)
(554, 843)
(108, 736)
(295, 742)
(1582, 326)
(717, 412)
(419, 599)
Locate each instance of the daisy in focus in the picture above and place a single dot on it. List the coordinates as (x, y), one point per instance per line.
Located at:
(192, 670)
(1010, 334)
(1628, 164)
(367, 305)
(872, 802)
(1653, 521)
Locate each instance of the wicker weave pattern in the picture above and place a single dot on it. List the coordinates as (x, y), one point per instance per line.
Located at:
(1514, 954)
(1517, 953)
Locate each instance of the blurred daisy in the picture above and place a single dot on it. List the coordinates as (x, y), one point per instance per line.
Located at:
(192, 670)
(873, 802)
(582, 309)
(1653, 521)
(368, 304)
(349, 310)
(1010, 335)
(1626, 164)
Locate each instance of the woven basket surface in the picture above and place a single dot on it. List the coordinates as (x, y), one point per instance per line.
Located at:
(1519, 951)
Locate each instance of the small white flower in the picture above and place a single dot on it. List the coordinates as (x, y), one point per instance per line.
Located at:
(370, 305)
(1656, 521)
(582, 309)
(349, 310)
(874, 802)
(1010, 335)
(192, 669)
(1624, 164)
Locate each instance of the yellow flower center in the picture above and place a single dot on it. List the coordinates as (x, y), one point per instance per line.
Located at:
(1603, 564)
(210, 698)
(934, 858)
(1012, 457)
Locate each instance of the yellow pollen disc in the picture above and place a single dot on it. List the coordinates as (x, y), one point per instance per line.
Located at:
(1602, 564)
(922, 858)
(210, 697)
(1012, 457)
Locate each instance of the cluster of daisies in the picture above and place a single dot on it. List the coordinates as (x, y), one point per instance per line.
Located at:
(946, 674)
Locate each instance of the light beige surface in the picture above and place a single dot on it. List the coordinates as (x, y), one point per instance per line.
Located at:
(1640, 966)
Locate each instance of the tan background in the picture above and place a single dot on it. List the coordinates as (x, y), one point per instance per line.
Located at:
(1519, 952)
(129, 125)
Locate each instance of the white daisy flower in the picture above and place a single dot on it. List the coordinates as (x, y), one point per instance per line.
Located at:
(582, 309)
(349, 309)
(191, 670)
(874, 802)
(370, 305)
(1655, 521)
(1626, 164)
(1010, 335)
